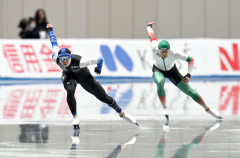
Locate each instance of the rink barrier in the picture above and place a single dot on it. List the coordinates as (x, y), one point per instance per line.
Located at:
(108, 80)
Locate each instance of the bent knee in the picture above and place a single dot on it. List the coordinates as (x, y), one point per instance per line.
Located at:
(160, 83)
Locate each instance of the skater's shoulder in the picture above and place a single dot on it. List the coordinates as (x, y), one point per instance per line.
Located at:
(75, 60)
(174, 50)
(76, 57)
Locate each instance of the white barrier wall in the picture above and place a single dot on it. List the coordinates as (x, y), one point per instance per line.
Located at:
(133, 58)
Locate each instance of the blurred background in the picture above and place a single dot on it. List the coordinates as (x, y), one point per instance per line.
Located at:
(127, 18)
(33, 99)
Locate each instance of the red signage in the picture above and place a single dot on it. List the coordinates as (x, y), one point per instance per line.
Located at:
(234, 62)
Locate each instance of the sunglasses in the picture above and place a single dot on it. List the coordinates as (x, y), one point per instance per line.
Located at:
(163, 50)
(64, 58)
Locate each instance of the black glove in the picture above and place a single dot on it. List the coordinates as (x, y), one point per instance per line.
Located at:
(49, 29)
(150, 25)
(188, 75)
(97, 70)
(64, 77)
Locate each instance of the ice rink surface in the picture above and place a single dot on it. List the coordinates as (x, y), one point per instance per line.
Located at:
(35, 122)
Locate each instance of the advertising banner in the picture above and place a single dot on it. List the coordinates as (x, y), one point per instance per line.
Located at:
(128, 58)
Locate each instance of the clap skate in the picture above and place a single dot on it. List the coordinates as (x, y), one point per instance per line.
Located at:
(213, 112)
(129, 118)
(75, 122)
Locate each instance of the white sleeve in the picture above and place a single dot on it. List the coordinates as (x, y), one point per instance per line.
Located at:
(55, 51)
(182, 56)
(88, 61)
(179, 55)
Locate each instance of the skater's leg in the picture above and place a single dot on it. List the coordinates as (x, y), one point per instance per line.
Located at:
(176, 78)
(70, 87)
(185, 87)
(159, 79)
(93, 87)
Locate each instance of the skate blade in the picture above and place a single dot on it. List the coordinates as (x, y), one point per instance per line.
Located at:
(219, 117)
(219, 121)
(76, 127)
(137, 124)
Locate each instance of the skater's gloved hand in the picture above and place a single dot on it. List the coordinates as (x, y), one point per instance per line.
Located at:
(98, 69)
(64, 77)
(50, 28)
(151, 23)
(186, 78)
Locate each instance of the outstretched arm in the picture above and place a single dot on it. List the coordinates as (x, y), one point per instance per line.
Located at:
(190, 64)
(152, 37)
(185, 57)
(54, 43)
(92, 61)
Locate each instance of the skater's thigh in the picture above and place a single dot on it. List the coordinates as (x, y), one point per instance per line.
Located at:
(70, 84)
(174, 76)
(187, 89)
(158, 77)
(92, 86)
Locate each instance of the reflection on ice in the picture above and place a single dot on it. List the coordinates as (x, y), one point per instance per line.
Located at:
(75, 141)
(31, 103)
(179, 138)
(122, 145)
(33, 133)
(185, 150)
